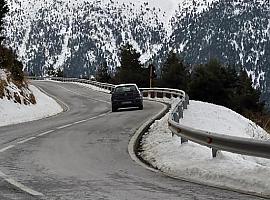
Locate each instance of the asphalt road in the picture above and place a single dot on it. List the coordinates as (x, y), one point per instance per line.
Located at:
(82, 154)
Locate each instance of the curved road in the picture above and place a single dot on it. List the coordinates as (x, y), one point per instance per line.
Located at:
(82, 154)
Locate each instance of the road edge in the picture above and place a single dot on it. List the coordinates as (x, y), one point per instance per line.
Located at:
(133, 149)
(134, 142)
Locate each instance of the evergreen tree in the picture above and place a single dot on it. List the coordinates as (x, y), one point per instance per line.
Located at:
(103, 74)
(51, 71)
(222, 85)
(174, 73)
(3, 11)
(131, 69)
(212, 83)
(9, 61)
(59, 73)
(246, 96)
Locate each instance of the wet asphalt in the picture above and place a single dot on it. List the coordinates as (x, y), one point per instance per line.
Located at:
(85, 155)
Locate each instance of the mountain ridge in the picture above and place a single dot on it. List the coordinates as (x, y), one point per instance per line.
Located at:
(80, 35)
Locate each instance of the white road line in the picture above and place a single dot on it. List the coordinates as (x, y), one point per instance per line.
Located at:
(65, 126)
(45, 133)
(19, 185)
(85, 120)
(23, 187)
(101, 115)
(78, 122)
(6, 148)
(26, 140)
(99, 100)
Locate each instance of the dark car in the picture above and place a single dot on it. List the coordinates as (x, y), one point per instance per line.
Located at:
(126, 95)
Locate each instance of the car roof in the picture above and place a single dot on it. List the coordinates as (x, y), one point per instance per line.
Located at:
(128, 84)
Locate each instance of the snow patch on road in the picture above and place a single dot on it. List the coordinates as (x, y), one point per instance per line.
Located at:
(194, 162)
(13, 113)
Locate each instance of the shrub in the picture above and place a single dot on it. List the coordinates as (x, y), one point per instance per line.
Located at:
(32, 99)
(9, 61)
(3, 84)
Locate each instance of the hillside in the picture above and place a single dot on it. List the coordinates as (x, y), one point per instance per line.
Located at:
(77, 36)
(14, 91)
(22, 103)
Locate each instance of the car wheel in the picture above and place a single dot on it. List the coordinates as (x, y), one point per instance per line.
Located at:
(140, 107)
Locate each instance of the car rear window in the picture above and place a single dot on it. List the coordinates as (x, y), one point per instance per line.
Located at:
(128, 88)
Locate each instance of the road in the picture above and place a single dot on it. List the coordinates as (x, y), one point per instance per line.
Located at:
(82, 154)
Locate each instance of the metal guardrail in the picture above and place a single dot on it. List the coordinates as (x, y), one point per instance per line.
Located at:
(216, 141)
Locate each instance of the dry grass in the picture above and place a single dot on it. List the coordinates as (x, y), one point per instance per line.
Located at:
(32, 99)
(262, 119)
(3, 85)
(17, 98)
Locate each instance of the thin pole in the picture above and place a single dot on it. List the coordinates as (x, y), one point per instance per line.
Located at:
(151, 75)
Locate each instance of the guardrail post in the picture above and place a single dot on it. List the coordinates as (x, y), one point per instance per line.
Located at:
(180, 112)
(185, 104)
(176, 117)
(187, 99)
(183, 140)
(214, 152)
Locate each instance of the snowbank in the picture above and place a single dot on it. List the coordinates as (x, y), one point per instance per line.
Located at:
(194, 162)
(13, 113)
(219, 119)
(93, 87)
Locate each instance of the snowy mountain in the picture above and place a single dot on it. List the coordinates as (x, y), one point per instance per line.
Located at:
(78, 35)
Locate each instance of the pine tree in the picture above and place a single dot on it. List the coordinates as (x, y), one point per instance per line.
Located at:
(3, 11)
(212, 83)
(222, 85)
(59, 73)
(131, 69)
(51, 71)
(246, 96)
(174, 73)
(103, 74)
(9, 61)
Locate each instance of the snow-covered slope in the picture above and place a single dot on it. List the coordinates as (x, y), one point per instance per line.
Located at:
(21, 103)
(194, 162)
(15, 91)
(13, 113)
(79, 35)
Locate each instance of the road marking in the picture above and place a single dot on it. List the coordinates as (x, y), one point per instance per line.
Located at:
(6, 148)
(26, 140)
(45, 133)
(23, 187)
(85, 120)
(78, 122)
(19, 185)
(98, 100)
(64, 126)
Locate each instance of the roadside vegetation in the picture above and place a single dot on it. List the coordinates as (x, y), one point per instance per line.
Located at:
(212, 82)
(13, 84)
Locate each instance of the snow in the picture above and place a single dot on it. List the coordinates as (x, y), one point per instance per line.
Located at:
(13, 113)
(92, 87)
(3, 75)
(219, 119)
(194, 162)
